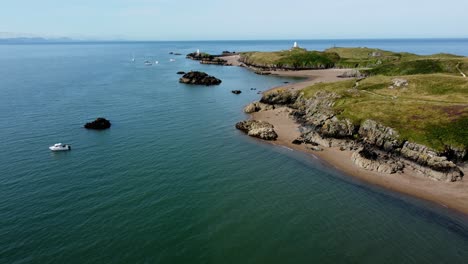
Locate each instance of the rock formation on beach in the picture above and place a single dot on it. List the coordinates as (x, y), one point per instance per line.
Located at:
(259, 129)
(376, 147)
(199, 78)
(98, 124)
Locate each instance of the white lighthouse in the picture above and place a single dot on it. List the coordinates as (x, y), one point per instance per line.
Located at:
(295, 45)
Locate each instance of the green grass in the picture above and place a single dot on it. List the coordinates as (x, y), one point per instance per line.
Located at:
(373, 61)
(292, 59)
(432, 110)
(417, 66)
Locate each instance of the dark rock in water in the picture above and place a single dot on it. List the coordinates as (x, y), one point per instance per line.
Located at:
(236, 91)
(258, 129)
(253, 89)
(199, 78)
(180, 72)
(171, 52)
(177, 54)
(98, 124)
(285, 82)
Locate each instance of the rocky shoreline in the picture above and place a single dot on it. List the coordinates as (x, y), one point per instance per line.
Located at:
(375, 147)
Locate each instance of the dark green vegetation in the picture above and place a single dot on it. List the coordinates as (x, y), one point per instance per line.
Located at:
(371, 61)
(431, 110)
(294, 59)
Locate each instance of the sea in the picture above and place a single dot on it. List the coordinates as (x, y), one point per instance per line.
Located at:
(173, 181)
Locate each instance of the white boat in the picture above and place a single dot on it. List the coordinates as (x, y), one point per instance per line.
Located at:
(60, 147)
(133, 58)
(148, 63)
(172, 60)
(156, 62)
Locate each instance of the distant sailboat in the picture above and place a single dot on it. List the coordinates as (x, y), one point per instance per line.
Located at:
(133, 58)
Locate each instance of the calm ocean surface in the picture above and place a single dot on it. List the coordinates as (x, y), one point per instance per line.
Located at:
(173, 181)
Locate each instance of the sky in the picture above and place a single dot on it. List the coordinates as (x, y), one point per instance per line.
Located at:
(234, 20)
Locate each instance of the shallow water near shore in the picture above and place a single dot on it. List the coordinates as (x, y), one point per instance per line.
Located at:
(173, 181)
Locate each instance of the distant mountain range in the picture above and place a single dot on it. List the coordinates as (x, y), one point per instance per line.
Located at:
(33, 40)
(8, 37)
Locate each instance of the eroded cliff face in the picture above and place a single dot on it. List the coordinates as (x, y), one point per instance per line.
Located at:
(376, 147)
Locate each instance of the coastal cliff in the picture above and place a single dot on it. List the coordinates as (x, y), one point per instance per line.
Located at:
(375, 146)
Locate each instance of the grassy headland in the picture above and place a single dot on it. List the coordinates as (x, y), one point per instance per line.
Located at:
(370, 61)
(431, 110)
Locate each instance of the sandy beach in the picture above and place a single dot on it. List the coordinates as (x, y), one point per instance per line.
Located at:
(452, 195)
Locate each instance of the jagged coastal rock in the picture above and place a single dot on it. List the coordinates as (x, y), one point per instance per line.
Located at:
(199, 78)
(257, 107)
(98, 124)
(278, 96)
(369, 159)
(375, 147)
(206, 58)
(258, 129)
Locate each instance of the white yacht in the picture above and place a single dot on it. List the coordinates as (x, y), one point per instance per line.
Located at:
(172, 60)
(148, 63)
(60, 147)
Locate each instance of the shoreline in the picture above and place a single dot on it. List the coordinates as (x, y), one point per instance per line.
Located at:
(451, 195)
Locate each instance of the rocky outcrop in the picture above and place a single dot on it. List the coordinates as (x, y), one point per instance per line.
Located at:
(351, 74)
(423, 158)
(380, 136)
(199, 78)
(258, 129)
(236, 91)
(278, 97)
(257, 107)
(367, 158)
(398, 83)
(215, 61)
(98, 124)
(376, 147)
(206, 58)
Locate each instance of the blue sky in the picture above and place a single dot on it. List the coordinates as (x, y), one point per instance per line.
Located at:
(240, 19)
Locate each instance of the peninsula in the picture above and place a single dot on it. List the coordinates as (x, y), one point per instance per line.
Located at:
(397, 120)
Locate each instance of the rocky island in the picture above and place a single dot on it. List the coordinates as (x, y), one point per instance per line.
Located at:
(199, 78)
(99, 124)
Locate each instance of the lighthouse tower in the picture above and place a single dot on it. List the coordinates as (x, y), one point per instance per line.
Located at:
(295, 45)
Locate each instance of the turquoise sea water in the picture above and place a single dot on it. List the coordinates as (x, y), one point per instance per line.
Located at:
(173, 181)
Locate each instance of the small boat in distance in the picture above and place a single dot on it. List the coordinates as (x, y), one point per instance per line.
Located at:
(172, 60)
(156, 62)
(133, 58)
(60, 147)
(148, 63)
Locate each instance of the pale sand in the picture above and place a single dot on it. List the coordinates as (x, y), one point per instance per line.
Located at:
(451, 195)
